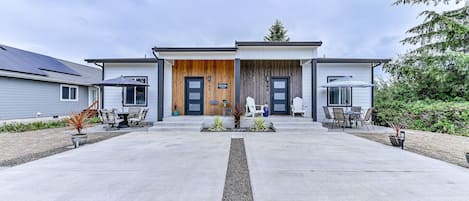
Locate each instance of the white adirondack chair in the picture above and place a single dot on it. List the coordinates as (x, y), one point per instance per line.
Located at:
(252, 108)
(298, 107)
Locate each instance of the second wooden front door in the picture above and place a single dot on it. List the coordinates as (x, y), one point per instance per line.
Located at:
(194, 96)
(279, 95)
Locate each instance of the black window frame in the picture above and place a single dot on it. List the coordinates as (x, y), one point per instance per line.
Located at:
(328, 96)
(124, 93)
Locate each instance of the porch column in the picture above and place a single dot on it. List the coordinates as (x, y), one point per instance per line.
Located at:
(160, 89)
(314, 87)
(237, 87)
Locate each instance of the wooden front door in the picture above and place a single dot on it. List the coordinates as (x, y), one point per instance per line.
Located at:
(279, 95)
(194, 96)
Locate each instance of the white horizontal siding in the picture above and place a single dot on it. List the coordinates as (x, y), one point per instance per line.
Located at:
(276, 53)
(168, 67)
(306, 88)
(113, 95)
(360, 96)
(197, 55)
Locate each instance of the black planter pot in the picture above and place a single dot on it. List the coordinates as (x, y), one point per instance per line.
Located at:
(79, 139)
(394, 141)
(467, 157)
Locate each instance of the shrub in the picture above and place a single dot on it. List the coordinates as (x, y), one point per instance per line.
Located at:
(237, 116)
(259, 124)
(217, 125)
(450, 117)
(80, 120)
(94, 120)
(22, 127)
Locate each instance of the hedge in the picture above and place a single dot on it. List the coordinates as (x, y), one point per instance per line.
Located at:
(435, 116)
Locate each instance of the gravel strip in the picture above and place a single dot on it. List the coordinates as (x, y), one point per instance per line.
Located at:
(237, 181)
(445, 147)
(18, 148)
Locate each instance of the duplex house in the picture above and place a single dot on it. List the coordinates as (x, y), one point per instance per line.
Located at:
(36, 85)
(210, 80)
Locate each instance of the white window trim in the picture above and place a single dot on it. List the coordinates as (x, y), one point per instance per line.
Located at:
(69, 87)
(135, 94)
(340, 95)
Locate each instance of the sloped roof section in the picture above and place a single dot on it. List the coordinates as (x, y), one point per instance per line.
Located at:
(29, 65)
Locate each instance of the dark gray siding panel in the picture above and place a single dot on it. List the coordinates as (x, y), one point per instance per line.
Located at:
(21, 98)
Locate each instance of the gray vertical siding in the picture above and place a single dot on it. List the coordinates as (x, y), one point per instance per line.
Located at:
(21, 98)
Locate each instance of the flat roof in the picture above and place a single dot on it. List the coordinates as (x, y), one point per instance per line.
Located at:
(278, 43)
(351, 60)
(194, 49)
(122, 60)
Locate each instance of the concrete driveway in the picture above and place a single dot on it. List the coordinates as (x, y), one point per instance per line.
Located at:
(192, 166)
(338, 166)
(136, 166)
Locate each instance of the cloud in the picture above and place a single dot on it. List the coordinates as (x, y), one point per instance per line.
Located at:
(75, 30)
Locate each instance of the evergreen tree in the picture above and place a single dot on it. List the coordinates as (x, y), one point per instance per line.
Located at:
(440, 32)
(277, 32)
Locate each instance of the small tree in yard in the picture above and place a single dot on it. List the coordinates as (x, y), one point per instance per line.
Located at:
(277, 32)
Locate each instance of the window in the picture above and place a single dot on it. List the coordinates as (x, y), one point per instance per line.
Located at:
(338, 96)
(68, 93)
(136, 96)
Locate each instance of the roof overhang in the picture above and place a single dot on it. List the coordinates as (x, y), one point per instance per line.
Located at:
(194, 49)
(26, 76)
(276, 44)
(351, 60)
(122, 60)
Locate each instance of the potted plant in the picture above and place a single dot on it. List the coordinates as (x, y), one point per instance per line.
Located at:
(78, 122)
(237, 116)
(397, 129)
(175, 112)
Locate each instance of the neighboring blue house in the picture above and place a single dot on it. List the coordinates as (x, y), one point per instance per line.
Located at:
(34, 85)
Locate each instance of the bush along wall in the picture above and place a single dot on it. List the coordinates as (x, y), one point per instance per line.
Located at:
(435, 116)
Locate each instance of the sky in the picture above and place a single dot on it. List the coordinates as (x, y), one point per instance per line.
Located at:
(75, 30)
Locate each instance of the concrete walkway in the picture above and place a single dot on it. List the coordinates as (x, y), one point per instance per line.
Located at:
(136, 166)
(338, 166)
(189, 166)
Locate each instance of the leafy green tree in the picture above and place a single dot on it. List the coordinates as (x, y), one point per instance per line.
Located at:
(429, 85)
(277, 32)
(440, 32)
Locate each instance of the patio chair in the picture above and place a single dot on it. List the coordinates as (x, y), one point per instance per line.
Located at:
(133, 112)
(251, 107)
(137, 121)
(356, 118)
(367, 119)
(327, 114)
(110, 117)
(297, 107)
(339, 117)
